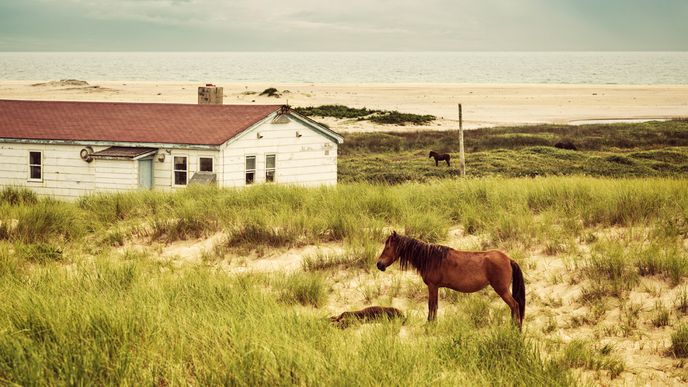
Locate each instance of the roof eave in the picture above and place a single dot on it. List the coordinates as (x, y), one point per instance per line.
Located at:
(111, 143)
(327, 132)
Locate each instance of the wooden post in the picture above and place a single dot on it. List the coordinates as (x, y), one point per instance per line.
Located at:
(462, 158)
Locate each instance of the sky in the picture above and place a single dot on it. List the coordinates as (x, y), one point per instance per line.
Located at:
(343, 25)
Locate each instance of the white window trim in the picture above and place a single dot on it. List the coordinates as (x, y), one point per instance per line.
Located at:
(274, 170)
(28, 162)
(174, 170)
(255, 169)
(206, 157)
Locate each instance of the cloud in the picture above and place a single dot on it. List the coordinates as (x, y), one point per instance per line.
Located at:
(349, 25)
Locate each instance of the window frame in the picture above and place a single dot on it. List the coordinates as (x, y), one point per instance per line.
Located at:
(175, 170)
(246, 170)
(212, 163)
(273, 169)
(28, 161)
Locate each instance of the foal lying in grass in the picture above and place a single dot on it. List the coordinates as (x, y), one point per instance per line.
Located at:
(369, 314)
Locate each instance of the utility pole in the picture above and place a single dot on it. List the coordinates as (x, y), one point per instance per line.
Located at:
(462, 157)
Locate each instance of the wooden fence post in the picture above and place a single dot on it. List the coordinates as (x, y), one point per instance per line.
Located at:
(462, 157)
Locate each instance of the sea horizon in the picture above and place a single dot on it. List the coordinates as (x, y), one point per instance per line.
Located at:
(488, 67)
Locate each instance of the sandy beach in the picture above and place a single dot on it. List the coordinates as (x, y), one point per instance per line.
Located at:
(484, 105)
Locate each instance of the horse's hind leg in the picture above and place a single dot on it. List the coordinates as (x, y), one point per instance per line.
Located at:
(505, 294)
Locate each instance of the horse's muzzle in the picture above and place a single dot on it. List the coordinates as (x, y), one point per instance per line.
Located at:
(381, 266)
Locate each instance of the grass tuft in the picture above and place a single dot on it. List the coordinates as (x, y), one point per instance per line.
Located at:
(679, 341)
(578, 354)
(304, 289)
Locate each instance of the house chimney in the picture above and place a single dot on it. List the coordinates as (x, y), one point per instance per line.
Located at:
(210, 95)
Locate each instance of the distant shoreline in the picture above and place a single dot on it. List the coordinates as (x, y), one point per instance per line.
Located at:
(485, 105)
(483, 67)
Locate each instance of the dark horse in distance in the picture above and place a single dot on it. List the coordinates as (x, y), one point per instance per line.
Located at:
(440, 157)
(463, 271)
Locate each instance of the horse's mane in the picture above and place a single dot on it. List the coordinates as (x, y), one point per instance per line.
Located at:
(422, 256)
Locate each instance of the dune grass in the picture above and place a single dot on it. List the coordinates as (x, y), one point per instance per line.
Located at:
(77, 313)
(654, 149)
(283, 216)
(136, 322)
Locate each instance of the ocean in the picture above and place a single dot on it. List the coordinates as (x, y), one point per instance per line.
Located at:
(635, 68)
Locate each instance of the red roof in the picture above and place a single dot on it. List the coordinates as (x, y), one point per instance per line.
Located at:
(128, 122)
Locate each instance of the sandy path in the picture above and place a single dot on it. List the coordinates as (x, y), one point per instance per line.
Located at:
(484, 105)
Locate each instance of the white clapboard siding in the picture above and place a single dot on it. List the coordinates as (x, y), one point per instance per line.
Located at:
(309, 159)
(163, 176)
(116, 175)
(65, 174)
(299, 160)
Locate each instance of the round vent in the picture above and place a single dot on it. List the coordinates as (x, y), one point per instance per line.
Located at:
(86, 153)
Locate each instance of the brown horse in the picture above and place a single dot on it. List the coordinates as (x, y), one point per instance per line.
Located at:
(440, 157)
(463, 271)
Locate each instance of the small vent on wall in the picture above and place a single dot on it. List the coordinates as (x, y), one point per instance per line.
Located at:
(86, 154)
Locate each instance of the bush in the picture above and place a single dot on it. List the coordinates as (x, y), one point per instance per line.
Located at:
(335, 111)
(396, 118)
(271, 92)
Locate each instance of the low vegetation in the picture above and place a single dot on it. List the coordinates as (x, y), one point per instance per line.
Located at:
(384, 117)
(271, 92)
(655, 149)
(87, 296)
(579, 354)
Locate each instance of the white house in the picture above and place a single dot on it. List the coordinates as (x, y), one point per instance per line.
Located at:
(68, 149)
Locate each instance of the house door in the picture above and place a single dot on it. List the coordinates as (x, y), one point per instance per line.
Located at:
(146, 173)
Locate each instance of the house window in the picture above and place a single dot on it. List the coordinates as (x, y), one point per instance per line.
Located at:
(250, 169)
(205, 164)
(270, 168)
(35, 166)
(181, 168)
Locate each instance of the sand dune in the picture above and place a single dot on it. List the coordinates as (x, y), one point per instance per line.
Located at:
(484, 104)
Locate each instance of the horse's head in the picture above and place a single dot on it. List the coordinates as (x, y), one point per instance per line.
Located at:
(389, 253)
(432, 153)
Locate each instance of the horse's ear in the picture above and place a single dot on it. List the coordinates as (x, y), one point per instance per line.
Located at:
(394, 233)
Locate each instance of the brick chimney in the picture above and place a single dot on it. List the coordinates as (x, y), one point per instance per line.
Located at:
(210, 95)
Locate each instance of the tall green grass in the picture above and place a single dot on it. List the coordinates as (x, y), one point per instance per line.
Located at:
(133, 321)
(522, 212)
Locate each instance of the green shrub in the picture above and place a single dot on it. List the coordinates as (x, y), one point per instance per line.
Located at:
(396, 118)
(271, 92)
(336, 111)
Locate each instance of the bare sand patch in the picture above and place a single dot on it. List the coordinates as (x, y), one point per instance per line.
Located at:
(485, 105)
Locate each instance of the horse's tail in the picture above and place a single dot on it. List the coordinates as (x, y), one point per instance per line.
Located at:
(518, 288)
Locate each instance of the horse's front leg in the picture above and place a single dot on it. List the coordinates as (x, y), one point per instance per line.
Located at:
(437, 163)
(432, 302)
